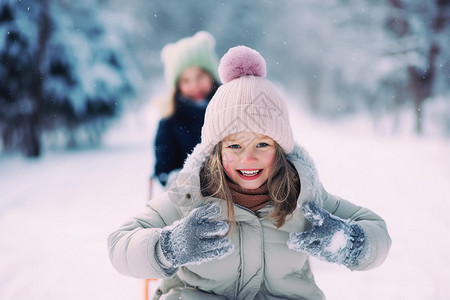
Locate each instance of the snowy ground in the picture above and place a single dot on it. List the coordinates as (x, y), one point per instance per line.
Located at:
(56, 212)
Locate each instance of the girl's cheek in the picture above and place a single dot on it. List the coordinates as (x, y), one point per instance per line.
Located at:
(228, 158)
(225, 161)
(228, 162)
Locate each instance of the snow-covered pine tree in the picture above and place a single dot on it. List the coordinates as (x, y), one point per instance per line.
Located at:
(61, 70)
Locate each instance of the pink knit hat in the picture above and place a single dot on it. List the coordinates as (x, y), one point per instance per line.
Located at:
(246, 101)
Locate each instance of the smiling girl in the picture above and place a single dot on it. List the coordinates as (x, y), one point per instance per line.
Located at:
(248, 209)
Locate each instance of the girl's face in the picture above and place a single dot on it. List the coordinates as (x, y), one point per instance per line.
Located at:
(247, 158)
(195, 83)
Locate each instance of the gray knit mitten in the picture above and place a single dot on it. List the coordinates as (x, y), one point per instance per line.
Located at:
(331, 239)
(197, 238)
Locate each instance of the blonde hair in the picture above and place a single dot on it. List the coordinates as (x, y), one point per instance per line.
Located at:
(283, 185)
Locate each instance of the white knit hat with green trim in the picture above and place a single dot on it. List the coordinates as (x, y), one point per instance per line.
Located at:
(195, 51)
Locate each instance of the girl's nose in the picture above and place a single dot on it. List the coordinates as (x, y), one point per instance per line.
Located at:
(196, 86)
(248, 155)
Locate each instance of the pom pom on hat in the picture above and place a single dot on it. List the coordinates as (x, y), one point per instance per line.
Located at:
(241, 61)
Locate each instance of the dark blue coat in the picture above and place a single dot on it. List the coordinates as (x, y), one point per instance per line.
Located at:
(177, 135)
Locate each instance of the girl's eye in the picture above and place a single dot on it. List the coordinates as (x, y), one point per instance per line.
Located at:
(234, 146)
(262, 145)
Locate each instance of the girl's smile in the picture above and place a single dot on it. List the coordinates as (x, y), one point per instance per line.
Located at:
(247, 158)
(249, 174)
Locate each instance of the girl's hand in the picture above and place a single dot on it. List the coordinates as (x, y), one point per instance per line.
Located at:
(197, 238)
(331, 239)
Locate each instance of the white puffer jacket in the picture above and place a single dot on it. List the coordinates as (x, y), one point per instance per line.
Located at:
(261, 266)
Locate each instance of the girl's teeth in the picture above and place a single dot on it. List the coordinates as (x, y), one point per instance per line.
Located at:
(249, 173)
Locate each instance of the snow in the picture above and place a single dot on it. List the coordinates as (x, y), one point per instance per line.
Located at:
(56, 212)
(338, 242)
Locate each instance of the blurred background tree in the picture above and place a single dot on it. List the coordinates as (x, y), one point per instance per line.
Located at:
(67, 68)
(336, 57)
(62, 71)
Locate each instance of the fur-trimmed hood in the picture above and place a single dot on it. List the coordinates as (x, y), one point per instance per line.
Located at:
(185, 191)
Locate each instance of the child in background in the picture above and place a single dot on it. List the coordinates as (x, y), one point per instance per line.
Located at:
(248, 209)
(191, 71)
